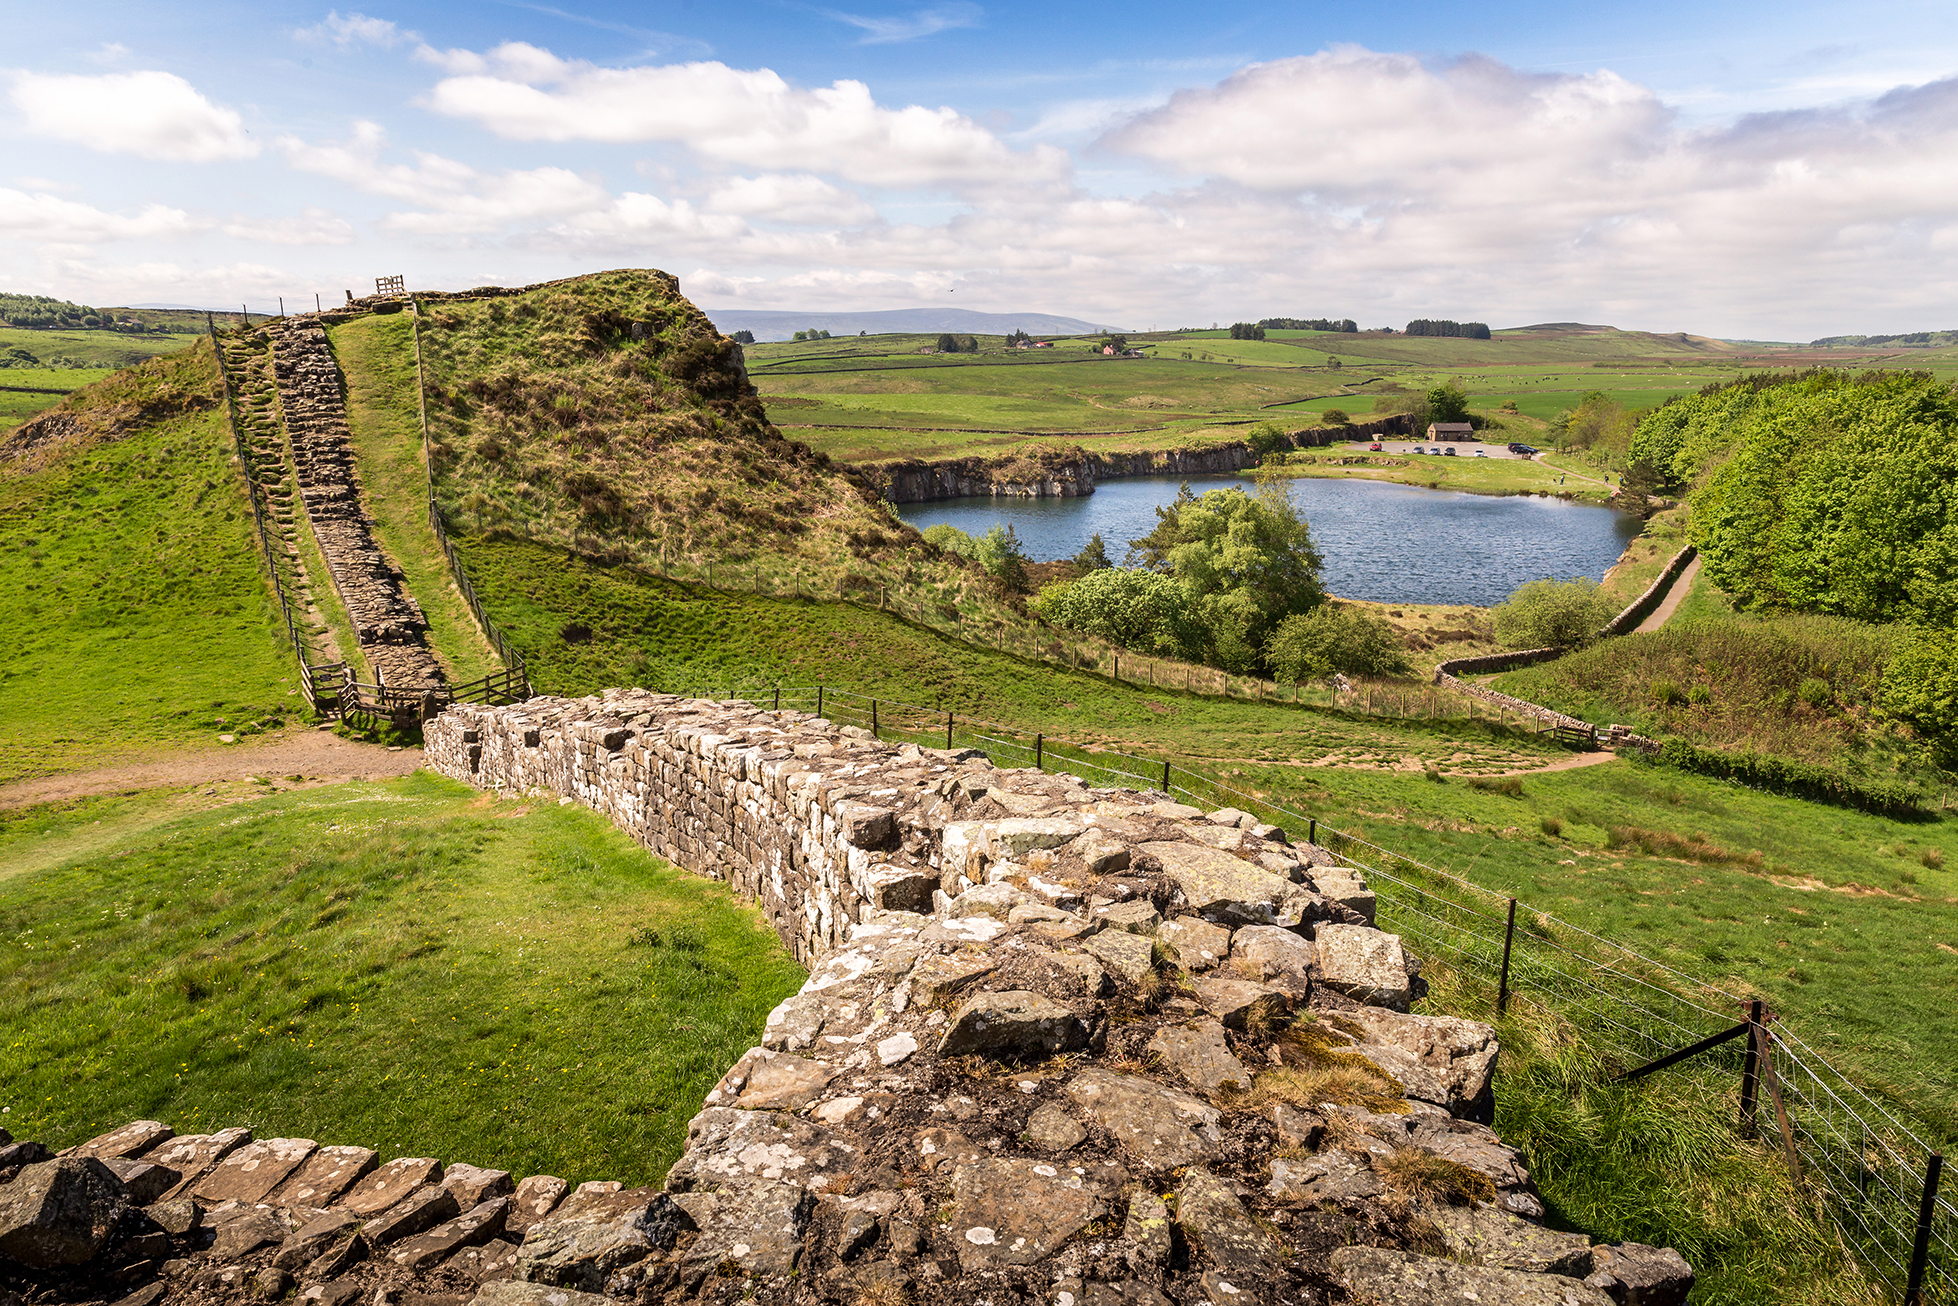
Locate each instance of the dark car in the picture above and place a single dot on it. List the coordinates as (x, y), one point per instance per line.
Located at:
(1449, 451)
(1524, 449)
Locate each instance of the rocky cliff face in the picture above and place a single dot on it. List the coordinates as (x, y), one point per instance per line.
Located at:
(1058, 1044)
(1068, 471)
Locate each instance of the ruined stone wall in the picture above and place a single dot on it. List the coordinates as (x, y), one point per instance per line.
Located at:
(1034, 1012)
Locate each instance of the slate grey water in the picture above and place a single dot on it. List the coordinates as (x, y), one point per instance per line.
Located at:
(1380, 541)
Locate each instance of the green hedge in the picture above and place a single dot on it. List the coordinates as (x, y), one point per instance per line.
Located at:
(1798, 779)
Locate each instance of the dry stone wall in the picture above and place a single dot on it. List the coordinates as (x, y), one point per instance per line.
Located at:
(388, 623)
(1058, 1045)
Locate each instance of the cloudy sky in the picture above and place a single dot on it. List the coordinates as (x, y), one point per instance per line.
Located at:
(1743, 170)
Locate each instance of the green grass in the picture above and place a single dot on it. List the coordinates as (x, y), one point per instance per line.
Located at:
(1462, 472)
(409, 965)
(133, 614)
(377, 355)
(1834, 916)
(91, 348)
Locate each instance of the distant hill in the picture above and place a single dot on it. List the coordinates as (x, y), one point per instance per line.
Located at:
(1910, 339)
(768, 324)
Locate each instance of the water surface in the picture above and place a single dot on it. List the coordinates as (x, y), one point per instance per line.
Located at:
(1381, 541)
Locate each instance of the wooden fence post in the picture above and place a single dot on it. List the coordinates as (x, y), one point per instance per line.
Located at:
(1921, 1247)
(1502, 984)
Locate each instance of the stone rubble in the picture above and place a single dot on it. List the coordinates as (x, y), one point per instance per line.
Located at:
(1058, 1045)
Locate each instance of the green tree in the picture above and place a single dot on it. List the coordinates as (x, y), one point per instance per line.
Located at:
(950, 539)
(743, 337)
(1448, 402)
(1143, 611)
(1332, 361)
(947, 345)
(1265, 437)
(1093, 555)
(1334, 637)
(1920, 689)
(1245, 562)
(1641, 481)
(1335, 417)
(998, 551)
(1552, 614)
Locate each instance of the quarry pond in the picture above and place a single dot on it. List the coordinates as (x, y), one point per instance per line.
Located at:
(1381, 541)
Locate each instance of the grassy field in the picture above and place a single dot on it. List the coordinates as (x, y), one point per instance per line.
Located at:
(132, 612)
(1463, 472)
(84, 353)
(377, 355)
(408, 965)
(877, 398)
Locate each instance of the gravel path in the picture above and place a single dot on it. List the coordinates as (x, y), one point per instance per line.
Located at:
(1682, 585)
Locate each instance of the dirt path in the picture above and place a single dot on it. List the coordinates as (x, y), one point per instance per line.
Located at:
(1571, 763)
(316, 755)
(1682, 585)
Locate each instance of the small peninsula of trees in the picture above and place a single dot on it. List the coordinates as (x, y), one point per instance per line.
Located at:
(1345, 325)
(743, 337)
(1422, 326)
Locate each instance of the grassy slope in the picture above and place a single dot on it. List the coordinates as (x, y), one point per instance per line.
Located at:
(101, 348)
(410, 966)
(377, 355)
(132, 609)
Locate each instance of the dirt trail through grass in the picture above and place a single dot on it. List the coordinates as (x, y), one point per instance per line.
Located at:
(314, 754)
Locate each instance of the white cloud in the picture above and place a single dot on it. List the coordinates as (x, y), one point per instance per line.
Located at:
(110, 52)
(156, 115)
(453, 198)
(913, 26)
(44, 217)
(356, 29)
(315, 226)
(747, 117)
(790, 197)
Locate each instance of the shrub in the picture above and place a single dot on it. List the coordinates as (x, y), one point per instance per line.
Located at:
(1335, 417)
(1920, 689)
(1140, 610)
(1508, 786)
(1552, 614)
(1932, 858)
(1700, 695)
(950, 539)
(1266, 437)
(1551, 826)
(1333, 638)
(1815, 692)
(1666, 693)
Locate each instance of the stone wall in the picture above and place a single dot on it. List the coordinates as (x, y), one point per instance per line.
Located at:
(1058, 1045)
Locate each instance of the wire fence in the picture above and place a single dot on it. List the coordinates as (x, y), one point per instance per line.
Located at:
(1870, 1170)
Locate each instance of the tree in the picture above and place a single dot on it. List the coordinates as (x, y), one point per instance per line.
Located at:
(1334, 637)
(1448, 402)
(1552, 614)
(1335, 417)
(1640, 482)
(1093, 555)
(1332, 361)
(1266, 437)
(998, 551)
(947, 345)
(1246, 331)
(1920, 689)
(1244, 563)
(1141, 610)
(1120, 343)
(966, 345)
(743, 337)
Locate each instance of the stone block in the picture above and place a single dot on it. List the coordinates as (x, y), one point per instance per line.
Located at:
(1015, 1212)
(1199, 944)
(1438, 1059)
(1197, 1051)
(193, 1154)
(1231, 891)
(130, 1140)
(1013, 1023)
(1334, 1176)
(1217, 1224)
(388, 1184)
(1240, 1004)
(1137, 917)
(1051, 1126)
(474, 1226)
(1376, 1276)
(1365, 964)
(779, 1081)
(1484, 1235)
(474, 1185)
(142, 1182)
(581, 1244)
(518, 1292)
(322, 1177)
(1162, 1127)
(253, 1171)
(60, 1212)
(1132, 956)
(418, 1211)
(1632, 1274)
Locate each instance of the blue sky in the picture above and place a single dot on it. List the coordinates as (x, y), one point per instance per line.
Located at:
(1753, 171)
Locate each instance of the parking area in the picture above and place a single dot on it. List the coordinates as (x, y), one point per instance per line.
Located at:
(1462, 448)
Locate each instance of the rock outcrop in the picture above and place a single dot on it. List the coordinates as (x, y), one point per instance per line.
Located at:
(1057, 1044)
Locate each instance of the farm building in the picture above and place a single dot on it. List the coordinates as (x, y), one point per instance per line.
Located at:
(1446, 431)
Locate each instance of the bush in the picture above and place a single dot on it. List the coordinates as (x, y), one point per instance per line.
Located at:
(948, 538)
(1666, 693)
(1335, 417)
(1798, 779)
(1815, 692)
(1920, 689)
(1334, 638)
(1093, 555)
(1508, 786)
(1267, 437)
(1144, 611)
(1552, 614)
(1551, 826)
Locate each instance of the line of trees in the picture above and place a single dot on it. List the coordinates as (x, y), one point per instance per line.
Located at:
(814, 333)
(951, 344)
(1345, 324)
(1246, 331)
(1422, 326)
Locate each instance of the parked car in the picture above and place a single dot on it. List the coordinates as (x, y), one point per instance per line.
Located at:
(1374, 447)
(1481, 453)
(1419, 449)
(1450, 451)
(1527, 451)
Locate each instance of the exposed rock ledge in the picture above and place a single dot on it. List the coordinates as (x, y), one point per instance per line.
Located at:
(1058, 1045)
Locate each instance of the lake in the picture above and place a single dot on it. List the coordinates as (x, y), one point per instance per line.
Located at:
(1380, 541)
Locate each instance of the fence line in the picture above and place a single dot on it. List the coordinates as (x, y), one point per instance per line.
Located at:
(313, 677)
(1867, 1167)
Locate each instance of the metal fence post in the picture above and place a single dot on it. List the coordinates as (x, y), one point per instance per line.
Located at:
(948, 730)
(1920, 1250)
(1312, 830)
(819, 700)
(1039, 744)
(1750, 1070)
(873, 719)
(1165, 775)
(1502, 982)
